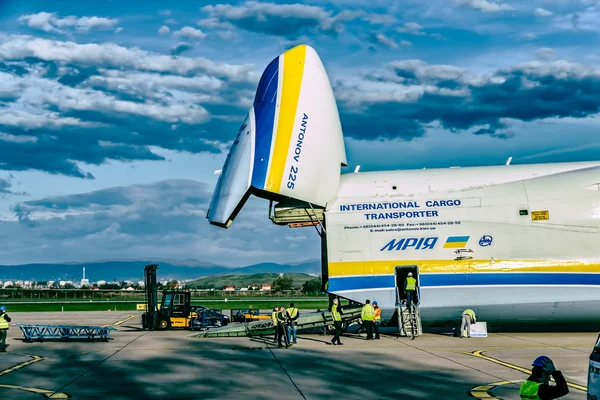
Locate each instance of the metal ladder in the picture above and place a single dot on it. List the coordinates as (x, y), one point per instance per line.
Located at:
(409, 321)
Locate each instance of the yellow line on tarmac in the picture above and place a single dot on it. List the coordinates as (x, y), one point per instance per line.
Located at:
(48, 394)
(479, 354)
(119, 322)
(485, 391)
(34, 359)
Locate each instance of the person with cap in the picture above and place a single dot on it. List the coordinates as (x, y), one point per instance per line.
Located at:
(410, 287)
(281, 327)
(376, 319)
(292, 315)
(367, 314)
(468, 318)
(4, 320)
(337, 322)
(537, 385)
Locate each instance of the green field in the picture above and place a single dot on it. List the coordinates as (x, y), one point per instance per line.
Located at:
(318, 303)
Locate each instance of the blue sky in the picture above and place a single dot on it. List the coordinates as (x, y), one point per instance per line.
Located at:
(115, 115)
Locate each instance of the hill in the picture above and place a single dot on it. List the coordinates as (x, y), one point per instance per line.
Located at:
(119, 270)
(239, 281)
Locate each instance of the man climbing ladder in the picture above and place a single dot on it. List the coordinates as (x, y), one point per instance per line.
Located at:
(410, 287)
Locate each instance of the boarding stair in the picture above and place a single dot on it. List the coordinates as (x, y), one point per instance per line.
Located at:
(310, 321)
(64, 332)
(409, 319)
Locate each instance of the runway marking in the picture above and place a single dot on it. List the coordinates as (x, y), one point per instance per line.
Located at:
(119, 322)
(479, 354)
(485, 391)
(34, 359)
(47, 394)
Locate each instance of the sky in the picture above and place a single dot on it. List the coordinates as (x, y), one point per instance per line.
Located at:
(114, 115)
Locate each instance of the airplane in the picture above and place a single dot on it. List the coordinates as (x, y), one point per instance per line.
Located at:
(519, 244)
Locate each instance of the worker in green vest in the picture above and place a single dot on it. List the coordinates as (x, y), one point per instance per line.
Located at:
(337, 322)
(367, 315)
(4, 320)
(537, 385)
(410, 287)
(274, 319)
(468, 318)
(292, 314)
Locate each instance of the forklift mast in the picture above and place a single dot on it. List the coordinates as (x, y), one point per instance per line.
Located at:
(150, 316)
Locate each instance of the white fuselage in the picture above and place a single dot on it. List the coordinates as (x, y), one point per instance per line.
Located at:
(539, 266)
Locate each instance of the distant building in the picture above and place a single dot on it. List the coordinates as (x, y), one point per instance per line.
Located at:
(265, 286)
(229, 288)
(84, 282)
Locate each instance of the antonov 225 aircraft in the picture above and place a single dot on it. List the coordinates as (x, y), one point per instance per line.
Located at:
(519, 244)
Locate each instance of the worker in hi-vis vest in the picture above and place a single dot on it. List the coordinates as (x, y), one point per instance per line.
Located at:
(337, 321)
(410, 287)
(293, 315)
(376, 319)
(282, 327)
(367, 315)
(537, 385)
(468, 318)
(4, 320)
(274, 319)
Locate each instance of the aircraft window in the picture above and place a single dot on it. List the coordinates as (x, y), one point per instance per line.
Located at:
(394, 188)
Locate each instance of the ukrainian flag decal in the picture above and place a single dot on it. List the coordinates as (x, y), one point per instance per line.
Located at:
(456, 242)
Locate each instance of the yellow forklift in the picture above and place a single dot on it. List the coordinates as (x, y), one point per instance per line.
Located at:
(175, 310)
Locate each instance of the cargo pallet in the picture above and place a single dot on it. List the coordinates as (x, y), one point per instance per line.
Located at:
(65, 332)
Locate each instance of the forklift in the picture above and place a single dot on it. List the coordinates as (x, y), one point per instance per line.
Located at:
(175, 309)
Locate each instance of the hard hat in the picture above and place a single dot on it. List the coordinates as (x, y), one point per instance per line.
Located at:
(410, 274)
(2, 308)
(539, 362)
(374, 303)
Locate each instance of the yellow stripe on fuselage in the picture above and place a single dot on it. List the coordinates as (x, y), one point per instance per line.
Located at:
(293, 70)
(455, 245)
(349, 268)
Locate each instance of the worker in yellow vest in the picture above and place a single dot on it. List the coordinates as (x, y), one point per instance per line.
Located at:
(377, 319)
(274, 319)
(292, 315)
(337, 322)
(468, 318)
(410, 288)
(537, 385)
(282, 327)
(367, 315)
(4, 320)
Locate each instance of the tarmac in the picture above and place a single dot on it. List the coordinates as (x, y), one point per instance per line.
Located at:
(136, 364)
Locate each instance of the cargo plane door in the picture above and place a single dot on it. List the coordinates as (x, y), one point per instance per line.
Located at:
(407, 301)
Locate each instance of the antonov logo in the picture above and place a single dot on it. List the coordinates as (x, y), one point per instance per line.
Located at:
(411, 244)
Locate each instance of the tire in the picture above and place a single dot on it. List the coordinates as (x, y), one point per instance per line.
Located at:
(162, 325)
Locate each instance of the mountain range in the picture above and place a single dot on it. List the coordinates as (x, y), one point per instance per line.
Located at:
(119, 270)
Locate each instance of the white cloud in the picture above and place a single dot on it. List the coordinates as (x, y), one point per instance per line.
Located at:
(112, 55)
(390, 42)
(540, 12)
(485, 6)
(163, 30)
(51, 22)
(44, 119)
(545, 53)
(411, 27)
(190, 33)
(165, 12)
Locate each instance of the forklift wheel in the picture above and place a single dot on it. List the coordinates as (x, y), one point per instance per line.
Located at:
(163, 324)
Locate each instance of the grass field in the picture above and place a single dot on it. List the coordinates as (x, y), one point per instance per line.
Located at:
(99, 305)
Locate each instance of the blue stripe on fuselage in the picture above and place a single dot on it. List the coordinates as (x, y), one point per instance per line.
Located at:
(472, 279)
(264, 114)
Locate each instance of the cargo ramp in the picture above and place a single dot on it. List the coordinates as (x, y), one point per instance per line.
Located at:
(314, 320)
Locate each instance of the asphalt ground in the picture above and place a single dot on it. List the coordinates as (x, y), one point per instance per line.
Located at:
(137, 364)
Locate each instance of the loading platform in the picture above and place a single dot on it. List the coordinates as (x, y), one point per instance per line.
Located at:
(310, 321)
(45, 332)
